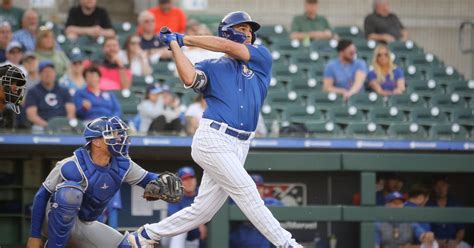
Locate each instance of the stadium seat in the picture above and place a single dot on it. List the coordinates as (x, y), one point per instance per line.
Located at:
(164, 68)
(386, 115)
(406, 102)
(284, 71)
(324, 130)
(448, 132)
(364, 45)
(307, 59)
(364, 130)
(412, 74)
(346, 115)
(461, 88)
(428, 116)
(463, 116)
(365, 101)
(127, 104)
(302, 114)
(349, 32)
(325, 101)
(402, 46)
(279, 100)
(272, 32)
(427, 88)
(287, 47)
(304, 86)
(187, 97)
(60, 125)
(446, 73)
(407, 131)
(448, 102)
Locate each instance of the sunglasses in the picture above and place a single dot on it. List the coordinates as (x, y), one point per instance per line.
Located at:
(382, 55)
(77, 63)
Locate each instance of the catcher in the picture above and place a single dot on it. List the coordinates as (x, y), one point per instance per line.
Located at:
(12, 87)
(76, 191)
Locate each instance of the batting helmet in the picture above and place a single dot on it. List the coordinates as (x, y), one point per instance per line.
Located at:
(225, 29)
(13, 81)
(112, 130)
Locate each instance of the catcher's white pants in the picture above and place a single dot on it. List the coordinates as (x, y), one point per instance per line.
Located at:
(222, 157)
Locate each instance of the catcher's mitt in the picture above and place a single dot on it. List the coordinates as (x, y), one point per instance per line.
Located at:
(167, 187)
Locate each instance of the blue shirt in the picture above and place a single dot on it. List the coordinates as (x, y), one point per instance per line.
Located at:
(150, 44)
(389, 83)
(50, 103)
(175, 207)
(344, 74)
(246, 235)
(425, 226)
(235, 89)
(3, 57)
(445, 231)
(104, 104)
(28, 40)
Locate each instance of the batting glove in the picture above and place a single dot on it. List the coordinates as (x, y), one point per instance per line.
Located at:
(180, 39)
(166, 36)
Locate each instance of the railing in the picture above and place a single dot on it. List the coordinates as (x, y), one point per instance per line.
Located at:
(366, 214)
(465, 27)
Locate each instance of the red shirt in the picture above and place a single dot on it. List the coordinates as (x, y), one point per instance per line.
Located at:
(175, 19)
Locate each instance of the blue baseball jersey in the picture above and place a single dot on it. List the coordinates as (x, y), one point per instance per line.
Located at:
(445, 231)
(104, 104)
(425, 226)
(235, 89)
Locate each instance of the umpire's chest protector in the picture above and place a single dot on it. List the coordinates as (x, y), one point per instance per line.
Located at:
(102, 183)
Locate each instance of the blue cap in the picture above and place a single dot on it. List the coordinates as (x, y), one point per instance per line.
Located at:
(257, 179)
(185, 172)
(45, 63)
(75, 57)
(393, 196)
(154, 89)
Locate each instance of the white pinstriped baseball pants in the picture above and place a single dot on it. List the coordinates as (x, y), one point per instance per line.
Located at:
(222, 157)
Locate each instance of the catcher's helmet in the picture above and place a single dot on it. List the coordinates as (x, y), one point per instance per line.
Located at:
(112, 130)
(225, 29)
(13, 81)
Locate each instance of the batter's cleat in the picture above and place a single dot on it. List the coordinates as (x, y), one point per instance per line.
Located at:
(137, 239)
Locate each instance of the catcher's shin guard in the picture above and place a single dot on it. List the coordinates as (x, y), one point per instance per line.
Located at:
(66, 202)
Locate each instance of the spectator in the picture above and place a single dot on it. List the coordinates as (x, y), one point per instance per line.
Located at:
(73, 80)
(418, 196)
(392, 183)
(115, 76)
(46, 50)
(134, 57)
(10, 14)
(193, 238)
(196, 54)
(345, 75)
(27, 35)
(447, 234)
(386, 78)
(88, 19)
(194, 114)
(159, 111)
(246, 235)
(5, 38)
(47, 99)
(166, 14)
(310, 25)
(149, 41)
(394, 235)
(14, 55)
(383, 25)
(91, 102)
(30, 63)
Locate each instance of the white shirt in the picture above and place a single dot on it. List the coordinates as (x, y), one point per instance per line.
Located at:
(195, 110)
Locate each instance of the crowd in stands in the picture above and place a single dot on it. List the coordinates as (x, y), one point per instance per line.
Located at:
(390, 234)
(132, 64)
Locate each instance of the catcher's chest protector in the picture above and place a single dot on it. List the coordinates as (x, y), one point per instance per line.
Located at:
(102, 183)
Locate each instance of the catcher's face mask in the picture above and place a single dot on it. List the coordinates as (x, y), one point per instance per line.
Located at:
(113, 131)
(13, 81)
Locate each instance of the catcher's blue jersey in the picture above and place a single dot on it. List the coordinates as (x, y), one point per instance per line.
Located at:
(235, 90)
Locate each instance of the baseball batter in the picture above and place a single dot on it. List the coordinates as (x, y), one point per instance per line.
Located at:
(77, 190)
(234, 88)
